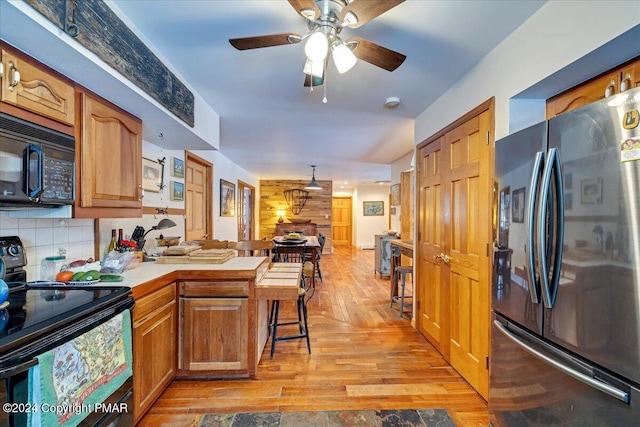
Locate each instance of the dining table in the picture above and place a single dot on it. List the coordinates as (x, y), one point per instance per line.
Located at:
(311, 244)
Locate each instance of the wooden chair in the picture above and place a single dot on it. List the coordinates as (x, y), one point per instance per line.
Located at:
(254, 247)
(213, 244)
(321, 239)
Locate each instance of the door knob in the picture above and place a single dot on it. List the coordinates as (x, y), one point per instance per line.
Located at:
(442, 257)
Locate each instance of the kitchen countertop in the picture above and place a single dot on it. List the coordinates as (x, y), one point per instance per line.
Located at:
(148, 276)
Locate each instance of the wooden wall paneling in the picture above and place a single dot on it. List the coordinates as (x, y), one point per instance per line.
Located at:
(317, 208)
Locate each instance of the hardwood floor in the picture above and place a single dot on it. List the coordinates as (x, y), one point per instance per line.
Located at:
(364, 356)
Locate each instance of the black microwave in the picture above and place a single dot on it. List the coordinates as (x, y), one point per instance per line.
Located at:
(37, 165)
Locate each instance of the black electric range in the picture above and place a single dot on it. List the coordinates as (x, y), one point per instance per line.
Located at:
(41, 312)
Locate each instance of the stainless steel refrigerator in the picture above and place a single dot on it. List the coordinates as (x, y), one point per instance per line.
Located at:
(565, 338)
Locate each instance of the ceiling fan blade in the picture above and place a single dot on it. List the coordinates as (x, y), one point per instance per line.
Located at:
(306, 8)
(375, 54)
(366, 10)
(316, 81)
(256, 42)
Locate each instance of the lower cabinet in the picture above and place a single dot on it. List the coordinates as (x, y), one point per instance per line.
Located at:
(214, 328)
(155, 322)
(214, 334)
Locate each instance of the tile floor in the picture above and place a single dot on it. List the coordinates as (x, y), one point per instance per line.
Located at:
(380, 418)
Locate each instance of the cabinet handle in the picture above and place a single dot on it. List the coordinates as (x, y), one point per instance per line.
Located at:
(623, 83)
(15, 77)
(610, 90)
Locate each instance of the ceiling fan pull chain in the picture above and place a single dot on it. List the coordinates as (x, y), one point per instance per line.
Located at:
(324, 100)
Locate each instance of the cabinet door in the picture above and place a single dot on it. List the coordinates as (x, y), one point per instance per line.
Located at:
(584, 94)
(155, 353)
(214, 334)
(631, 75)
(36, 90)
(110, 157)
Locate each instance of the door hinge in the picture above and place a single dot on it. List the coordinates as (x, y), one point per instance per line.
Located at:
(488, 135)
(417, 305)
(487, 250)
(487, 362)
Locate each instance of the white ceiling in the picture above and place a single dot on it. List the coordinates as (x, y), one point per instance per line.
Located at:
(272, 126)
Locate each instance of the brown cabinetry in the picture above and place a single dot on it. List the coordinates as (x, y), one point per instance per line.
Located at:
(154, 346)
(215, 328)
(610, 83)
(29, 86)
(109, 155)
(308, 229)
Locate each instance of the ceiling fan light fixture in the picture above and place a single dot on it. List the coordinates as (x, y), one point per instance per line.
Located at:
(350, 19)
(343, 57)
(313, 185)
(308, 13)
(314, 68)
(317, 46)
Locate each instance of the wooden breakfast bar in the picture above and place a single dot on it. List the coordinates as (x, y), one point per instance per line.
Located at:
(398, 248)
(202, 320)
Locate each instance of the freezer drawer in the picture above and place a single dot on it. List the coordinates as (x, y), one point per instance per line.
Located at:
(527, 391)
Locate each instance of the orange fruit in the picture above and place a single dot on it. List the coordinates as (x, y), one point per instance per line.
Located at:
(64, 276)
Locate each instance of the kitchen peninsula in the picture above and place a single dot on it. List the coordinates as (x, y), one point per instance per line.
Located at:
(196, 320)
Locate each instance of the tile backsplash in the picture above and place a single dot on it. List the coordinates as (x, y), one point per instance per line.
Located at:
(43, 237)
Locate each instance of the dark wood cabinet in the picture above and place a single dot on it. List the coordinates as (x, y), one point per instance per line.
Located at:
(308, 229)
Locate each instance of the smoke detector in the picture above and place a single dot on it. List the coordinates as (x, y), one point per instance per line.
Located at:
(391, 102)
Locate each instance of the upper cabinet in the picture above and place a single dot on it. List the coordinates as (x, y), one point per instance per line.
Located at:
(109, 159)
(29, 86)
(631, 75)
(610, 83)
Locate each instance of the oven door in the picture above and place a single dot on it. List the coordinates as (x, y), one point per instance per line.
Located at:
(14, 376)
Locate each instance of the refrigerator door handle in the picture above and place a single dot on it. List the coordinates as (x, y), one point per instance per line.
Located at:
(530, 225)
(559, 228)
(552, 164)
(594, 383)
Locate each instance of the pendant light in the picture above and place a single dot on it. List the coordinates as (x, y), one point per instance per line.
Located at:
(313, 185)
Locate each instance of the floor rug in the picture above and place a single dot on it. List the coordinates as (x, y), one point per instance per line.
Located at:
(371, 418)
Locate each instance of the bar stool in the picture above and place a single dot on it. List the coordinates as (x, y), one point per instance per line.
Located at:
(304, 293)
(401, 272)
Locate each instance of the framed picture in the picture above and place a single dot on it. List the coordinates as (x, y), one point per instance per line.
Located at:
(227, 198)
(177, 167)
(151, 175)
(373, 208)
(395, 194)
(177, 190)
(591, 191)
(393, 210)
(517, 205)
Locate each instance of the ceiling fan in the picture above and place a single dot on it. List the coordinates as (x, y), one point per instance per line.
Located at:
(325, 20)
